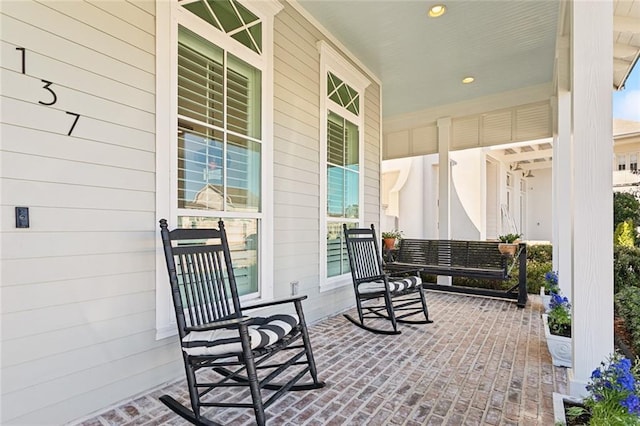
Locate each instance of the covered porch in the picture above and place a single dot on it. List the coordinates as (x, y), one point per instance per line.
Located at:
(482, 362)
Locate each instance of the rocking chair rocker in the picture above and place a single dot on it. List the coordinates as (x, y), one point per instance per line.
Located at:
(217, 335)
(402, 296)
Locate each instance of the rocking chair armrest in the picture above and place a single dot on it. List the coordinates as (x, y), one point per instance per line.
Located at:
(275, 302)
(220, 324)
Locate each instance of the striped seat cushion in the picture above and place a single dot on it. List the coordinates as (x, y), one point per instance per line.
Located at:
(262, 332)
(395, 284)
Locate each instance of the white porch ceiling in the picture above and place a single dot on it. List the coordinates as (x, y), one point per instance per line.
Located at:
(505, 45)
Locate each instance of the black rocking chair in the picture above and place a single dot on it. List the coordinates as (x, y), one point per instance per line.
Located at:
(402, 297)
(222, 347)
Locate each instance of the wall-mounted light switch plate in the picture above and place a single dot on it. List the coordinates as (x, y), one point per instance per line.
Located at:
(22, 217)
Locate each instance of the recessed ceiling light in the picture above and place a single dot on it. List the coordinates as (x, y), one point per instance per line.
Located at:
(468, 80)
(437, 10)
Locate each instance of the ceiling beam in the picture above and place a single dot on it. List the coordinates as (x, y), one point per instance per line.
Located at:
(537, 165)
(622, 51)
(626, 24)
(528, 155)
(620, 64)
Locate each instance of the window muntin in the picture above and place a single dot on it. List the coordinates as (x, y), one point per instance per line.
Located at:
(219, 126)
(343, 187)
(219, 149)
(242, 235)
(343, 94)
(343, 175)
(231, 17)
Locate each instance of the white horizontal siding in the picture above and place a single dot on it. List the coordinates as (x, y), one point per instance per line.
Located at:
(94, 59)
(63, 147)
(45, 194)
(29, 167)
(24, 350)
(297, 170)
(60, 219)
(78, 286)
(138, 49)
(43, 396)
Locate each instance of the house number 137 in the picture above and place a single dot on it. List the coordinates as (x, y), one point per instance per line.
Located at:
(51, 98)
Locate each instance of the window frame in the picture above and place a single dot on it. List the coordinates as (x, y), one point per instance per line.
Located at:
(332, 61)
(169, 15)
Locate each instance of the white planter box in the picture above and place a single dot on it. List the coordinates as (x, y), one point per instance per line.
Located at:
(546, 299)
(558, 407)
(559, 346)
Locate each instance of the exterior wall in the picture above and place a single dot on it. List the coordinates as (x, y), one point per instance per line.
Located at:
(625, 180)
(296, 167)
(539, 217)
(418, 199)
(78, 286)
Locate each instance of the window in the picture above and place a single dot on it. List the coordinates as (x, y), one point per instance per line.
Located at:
(633, 162)
(342, 95)
(215, 110)
(622, 162)
(343, 189)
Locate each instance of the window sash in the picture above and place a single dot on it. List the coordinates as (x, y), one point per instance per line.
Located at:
(219, 126)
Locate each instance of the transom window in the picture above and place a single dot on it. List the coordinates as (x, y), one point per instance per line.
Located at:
(342, 94)
(230, 17)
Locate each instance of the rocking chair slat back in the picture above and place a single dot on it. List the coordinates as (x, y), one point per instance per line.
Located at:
(365, 260)
(202, 279)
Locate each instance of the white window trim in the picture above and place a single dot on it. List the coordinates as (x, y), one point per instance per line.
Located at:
(331, 60)
(168, 15)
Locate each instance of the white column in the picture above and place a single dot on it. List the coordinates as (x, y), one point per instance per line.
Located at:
(563, 171)
(444, 185)
(564, 200)
(591, 76)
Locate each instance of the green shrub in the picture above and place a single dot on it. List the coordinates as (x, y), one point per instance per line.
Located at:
(535, 275)
(626, 267)
(625, 207)
(627, 306)
(539, 253)
(624, 234)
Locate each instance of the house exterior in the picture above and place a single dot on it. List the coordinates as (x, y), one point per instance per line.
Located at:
(116, 114)
(626, 150)
(513, 194)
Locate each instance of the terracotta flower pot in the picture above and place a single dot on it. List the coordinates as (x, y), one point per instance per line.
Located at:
(389, 243)
(508, 249)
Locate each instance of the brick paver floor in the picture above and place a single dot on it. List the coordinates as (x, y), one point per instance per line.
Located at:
(482, 362)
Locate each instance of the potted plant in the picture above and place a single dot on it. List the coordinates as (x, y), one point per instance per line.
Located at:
(557, 330)
(550, 287)
(613, 396)
(508, 244)
(390, 238)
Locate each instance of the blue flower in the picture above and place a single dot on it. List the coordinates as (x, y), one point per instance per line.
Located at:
(551, 277)
(614, 384)
(632, 403)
